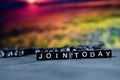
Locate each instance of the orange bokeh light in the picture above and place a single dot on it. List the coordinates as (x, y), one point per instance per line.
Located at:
(35, 1)
(31, 1)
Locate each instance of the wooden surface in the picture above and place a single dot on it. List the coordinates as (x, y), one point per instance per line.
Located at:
(27, 68)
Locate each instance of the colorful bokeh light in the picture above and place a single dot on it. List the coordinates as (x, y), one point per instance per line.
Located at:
(31, 1)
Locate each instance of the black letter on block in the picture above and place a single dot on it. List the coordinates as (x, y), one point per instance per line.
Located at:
(108, 53)
(76, 55)
(63, 55)
(39, 55)
(51, 55)
(2, 54)
(84, 54)
(103, 54)
(48, 56)
(92, 54)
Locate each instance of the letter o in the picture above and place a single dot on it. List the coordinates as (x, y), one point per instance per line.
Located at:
(48, 55)
(84, 54)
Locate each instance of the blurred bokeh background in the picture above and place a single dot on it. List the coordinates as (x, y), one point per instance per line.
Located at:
(58, 23)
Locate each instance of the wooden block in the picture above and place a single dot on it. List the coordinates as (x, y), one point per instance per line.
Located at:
(92, 54)
(51, 55)
(12, 53)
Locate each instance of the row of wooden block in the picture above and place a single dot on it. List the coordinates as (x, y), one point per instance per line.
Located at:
(73, 55)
